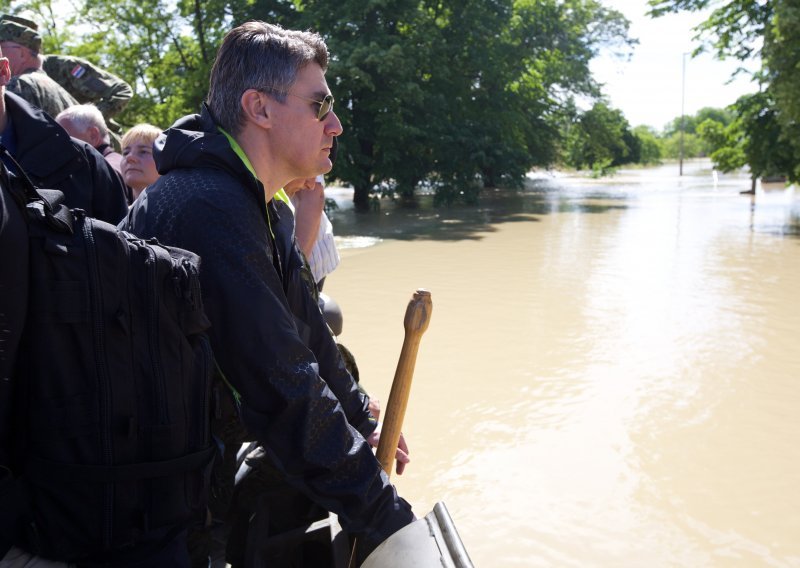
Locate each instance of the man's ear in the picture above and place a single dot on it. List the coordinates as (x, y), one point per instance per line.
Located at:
(256, 107)
(95, 139)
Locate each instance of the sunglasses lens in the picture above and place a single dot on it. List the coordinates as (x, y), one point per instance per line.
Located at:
(325, 107)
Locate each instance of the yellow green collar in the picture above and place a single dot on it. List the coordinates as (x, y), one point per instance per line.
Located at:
(280, 195)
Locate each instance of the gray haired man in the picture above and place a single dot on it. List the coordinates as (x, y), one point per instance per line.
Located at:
(269, 119)
(86, 122)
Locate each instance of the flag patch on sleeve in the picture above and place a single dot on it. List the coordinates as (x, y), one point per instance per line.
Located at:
(78, 71)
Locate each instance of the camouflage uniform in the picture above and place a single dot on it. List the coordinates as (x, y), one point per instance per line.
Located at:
(33, 84)
(85, 82)
(89, 84)
(40, 90)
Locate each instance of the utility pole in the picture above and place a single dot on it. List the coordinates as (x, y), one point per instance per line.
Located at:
(683, 116)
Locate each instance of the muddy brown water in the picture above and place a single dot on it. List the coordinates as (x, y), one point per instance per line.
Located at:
(611, 376)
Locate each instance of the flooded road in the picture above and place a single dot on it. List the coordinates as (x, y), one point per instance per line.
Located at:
(611, 375)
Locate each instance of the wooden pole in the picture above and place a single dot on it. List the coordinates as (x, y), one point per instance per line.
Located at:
(415, 322)
(417, 318)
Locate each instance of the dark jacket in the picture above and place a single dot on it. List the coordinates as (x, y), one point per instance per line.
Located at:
(268, 335)
(13, 306)
(53, 160)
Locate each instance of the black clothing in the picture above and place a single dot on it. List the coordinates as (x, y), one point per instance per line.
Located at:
(268, 335)
(13, 307)
(53, 160)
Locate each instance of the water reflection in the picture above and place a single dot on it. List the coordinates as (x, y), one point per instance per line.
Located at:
(773, 211)
(609, 378)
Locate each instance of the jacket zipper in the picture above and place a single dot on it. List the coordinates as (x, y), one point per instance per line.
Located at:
(159, 382)
(277, 261)
(206, 347)
(104, 392)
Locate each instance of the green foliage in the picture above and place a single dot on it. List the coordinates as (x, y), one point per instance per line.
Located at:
(602, 168)
(54, 26)
(690, 123)
(456, 93)
(713, 133)
(754, 138)
(650, 145)
(600, 138)
(725, 144)
(768, 122)
(782, 60)
(449, 94)
(162, 48)
(765, 147)
(675, 146)
(734, 29)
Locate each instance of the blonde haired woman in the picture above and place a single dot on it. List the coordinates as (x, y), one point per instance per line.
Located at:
(138, 167)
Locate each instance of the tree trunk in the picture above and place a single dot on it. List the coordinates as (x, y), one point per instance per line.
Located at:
(361, 197)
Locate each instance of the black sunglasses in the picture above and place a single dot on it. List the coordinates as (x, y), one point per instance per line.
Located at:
(325, 105)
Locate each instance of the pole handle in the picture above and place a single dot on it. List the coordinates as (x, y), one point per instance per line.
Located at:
(417, 318)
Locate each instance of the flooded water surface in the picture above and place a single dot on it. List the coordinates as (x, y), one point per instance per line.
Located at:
(611, 374)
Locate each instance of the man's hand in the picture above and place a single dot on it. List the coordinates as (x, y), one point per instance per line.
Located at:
(401, 455)
(375, 408)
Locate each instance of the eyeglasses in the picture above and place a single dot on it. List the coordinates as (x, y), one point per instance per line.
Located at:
(325, 105)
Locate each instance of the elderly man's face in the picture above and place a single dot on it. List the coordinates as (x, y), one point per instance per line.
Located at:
(18, 56)
(300, 141)
(90, 135)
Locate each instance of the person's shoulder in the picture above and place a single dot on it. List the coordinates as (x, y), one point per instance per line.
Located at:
(207, 183)
(43, 82)
(84, 148)
(25, 78)
(34, 127)
(205, 203)
(72, 68)
(58, 64)
(37, 75)
(98, 163)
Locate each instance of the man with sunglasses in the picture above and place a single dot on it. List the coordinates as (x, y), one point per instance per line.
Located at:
(269, 119)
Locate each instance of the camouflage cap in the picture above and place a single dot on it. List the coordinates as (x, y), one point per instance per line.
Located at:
(21, 31)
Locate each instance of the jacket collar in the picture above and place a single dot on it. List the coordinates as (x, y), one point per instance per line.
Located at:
(195, 141)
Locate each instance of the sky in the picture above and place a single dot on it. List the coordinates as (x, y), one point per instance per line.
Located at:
(648, 88)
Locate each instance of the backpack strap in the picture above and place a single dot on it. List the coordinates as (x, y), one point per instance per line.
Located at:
(47, 203)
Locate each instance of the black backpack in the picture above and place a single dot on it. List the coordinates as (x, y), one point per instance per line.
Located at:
(111, 404)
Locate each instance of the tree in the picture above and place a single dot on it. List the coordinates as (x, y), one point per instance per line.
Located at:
(163, 49)
(601, 138)
(675, 146)
(782, 60)
(734, 29)
(455, 94)
(725, 144)
(746, 29)
(694, 144)
(690, 123)
(650, 146)
(459, 93)
(753, 139)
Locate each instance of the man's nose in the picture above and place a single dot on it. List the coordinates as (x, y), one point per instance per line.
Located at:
(333, 126)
